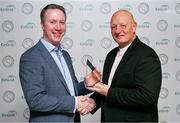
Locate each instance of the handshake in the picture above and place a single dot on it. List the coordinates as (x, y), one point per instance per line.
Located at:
(85, 105)
(94, 83)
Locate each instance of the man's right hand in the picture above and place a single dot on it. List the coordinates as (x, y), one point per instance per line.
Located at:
(85, 105)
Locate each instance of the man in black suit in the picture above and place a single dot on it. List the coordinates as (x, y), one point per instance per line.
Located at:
(131, 76)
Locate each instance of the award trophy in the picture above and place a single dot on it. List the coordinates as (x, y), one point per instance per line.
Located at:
(95, 75)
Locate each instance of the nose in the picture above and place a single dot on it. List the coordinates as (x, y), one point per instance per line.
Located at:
(58, 26)
(118, 29)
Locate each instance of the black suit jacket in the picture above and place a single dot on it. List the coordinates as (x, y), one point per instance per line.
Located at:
(134, 92)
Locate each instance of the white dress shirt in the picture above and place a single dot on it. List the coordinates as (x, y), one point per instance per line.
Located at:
(117, 60)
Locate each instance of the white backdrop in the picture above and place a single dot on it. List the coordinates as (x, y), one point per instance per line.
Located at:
(88, 36)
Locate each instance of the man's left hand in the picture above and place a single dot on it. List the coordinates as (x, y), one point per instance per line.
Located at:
(100, 88)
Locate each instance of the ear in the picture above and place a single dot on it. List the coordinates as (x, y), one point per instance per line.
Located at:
(134, 27)
(42, 25)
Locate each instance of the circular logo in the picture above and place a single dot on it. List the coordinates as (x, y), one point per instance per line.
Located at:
(178, 42)
(7, 26)
(178, 75)
(67, 43)
(27, 43)
(106, 43)
(145, 40)
(8, 96)
(162, 25)
(143, 8)
(84, 59)
(8, 61)
(178, 109)
(105, 8)
(163, 58)
(68, 7)
(177, 8)
(27, 8)
(164, 93)
(86, 25)
(26, 113)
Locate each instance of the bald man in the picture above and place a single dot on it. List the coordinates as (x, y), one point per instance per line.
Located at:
(131, 76)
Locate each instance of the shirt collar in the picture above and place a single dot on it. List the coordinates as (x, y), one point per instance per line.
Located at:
(51, 47)
(123, 50)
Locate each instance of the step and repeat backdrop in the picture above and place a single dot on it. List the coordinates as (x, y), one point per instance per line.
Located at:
(88, 37)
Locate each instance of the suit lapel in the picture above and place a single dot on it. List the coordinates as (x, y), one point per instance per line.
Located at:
(70, 67)
(108, 64)
(129, 52)
(50, 61)
(123, 61)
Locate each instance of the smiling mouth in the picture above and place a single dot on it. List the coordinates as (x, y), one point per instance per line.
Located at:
(119, 35)
(57, 34)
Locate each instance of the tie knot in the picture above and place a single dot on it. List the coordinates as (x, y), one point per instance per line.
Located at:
(56, 49)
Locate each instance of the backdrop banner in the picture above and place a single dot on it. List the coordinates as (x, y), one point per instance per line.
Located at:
(88, 36)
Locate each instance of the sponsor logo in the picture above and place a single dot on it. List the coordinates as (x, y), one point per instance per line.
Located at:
(177, 8)
(177, 93)
(81, 78)
(10, 113)
(70, 25)
(128, 7)
(8, 8)
(88, 42)
(8, 61)
(73, 59)
(162, 25)
(87, 7)
(164, 109)
(67, 43)
(105, 8)
(8, 96)
(176, 25)
(68, 7)
(163, 58)
(162, 8)
(178, 109)
(9, 43)
(163, 42)
(10, 78)
(26, 113)
(177, 59)
(145, 40)
(29, 25)
(105, 25)
(144, 25)
(106, 43)
(178, 75)
(101, 61)
(143, 8)
(84, 59)
(7, 26)
(27, 43)
(164, 93)
(27, 8)
(86, 25)
(166, 75)
(178, 42)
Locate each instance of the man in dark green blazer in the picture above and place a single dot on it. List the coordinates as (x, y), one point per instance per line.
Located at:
(131, 76)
